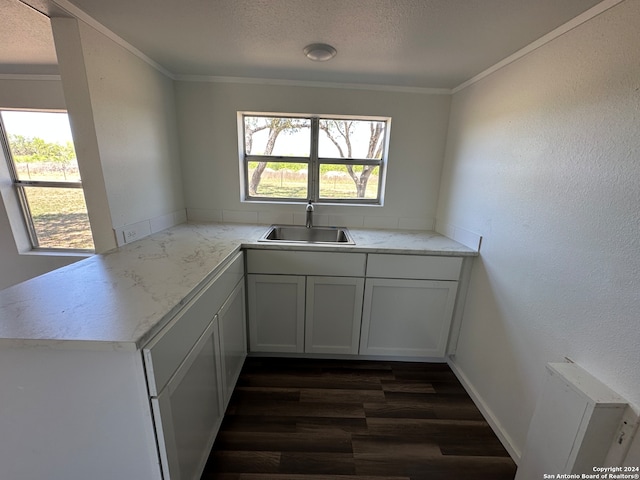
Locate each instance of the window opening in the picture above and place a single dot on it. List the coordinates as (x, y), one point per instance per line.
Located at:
(332, 159)
(43, 166)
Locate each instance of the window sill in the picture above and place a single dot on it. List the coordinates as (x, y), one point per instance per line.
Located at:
(57, 253)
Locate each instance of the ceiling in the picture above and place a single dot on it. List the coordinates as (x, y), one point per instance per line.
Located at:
(406, 43)
(26, 42)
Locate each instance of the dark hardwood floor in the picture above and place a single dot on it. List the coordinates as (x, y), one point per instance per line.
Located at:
(300, 419)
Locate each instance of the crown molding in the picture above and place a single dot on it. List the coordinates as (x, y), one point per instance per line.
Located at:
(74, 11)
(549, 37)
(309, 83)
(60, 7)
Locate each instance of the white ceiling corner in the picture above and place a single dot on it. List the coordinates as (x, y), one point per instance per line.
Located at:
(421, 45)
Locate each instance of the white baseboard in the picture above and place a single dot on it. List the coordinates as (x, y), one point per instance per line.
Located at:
(493, 422)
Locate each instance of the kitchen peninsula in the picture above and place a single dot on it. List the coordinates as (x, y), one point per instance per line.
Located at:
(83, 360)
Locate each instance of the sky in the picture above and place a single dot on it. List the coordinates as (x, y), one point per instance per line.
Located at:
(50, 126)
(298, 143)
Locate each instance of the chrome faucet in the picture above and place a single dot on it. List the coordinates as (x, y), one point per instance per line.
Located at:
(309, 210)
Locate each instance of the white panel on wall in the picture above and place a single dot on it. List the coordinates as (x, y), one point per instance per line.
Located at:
(573, 426)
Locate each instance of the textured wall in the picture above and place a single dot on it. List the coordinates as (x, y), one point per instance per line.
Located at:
(122, 113)
(543, 160)
(207, 115)
(134, 114)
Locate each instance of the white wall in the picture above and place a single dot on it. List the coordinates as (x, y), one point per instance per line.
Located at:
(209, 150)
(543, 160)
(31, 92)
(123, 111)
(16, 267)
(122, 114)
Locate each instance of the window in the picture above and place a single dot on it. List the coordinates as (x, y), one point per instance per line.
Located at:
(326, 159)
(44, 170)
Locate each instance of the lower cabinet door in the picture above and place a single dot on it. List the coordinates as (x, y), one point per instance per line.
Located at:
(233, 339)
(333, 313)
(407, 317)
(188, 411)
(276, 313)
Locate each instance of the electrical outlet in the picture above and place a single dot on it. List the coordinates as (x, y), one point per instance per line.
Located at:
(132, 232)
(130, 235)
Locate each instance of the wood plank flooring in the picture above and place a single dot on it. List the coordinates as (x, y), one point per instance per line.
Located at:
(300, 419)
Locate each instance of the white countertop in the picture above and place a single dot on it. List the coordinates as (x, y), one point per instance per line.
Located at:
(120, 299)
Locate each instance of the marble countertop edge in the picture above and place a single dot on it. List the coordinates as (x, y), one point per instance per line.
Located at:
(120, 299)
(74, 344)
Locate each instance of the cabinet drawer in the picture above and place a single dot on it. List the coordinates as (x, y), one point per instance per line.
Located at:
(414, 267)
(164, 353)
(306, 263)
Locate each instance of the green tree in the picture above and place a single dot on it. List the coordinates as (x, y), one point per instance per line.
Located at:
(275, 127)
(33, 149)
(340, 132)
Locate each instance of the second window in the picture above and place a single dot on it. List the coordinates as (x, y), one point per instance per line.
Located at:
(332, 159)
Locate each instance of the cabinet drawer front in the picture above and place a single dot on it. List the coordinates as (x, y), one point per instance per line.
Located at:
(164, 353)
(306, 263)
(414, 267)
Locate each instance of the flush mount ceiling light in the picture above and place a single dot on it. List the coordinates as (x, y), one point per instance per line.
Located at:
(319, 52)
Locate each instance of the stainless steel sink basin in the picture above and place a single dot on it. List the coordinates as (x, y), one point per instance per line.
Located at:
(302, 234)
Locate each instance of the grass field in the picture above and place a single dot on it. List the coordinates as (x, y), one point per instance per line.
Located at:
(287, 184)
(60, 217)
(59, 214)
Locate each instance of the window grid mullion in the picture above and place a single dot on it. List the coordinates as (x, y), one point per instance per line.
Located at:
(47, 184)
(314, 167)
(273, 158)
(349, 161)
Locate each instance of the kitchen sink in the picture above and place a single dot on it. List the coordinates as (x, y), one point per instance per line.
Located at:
(302, 234)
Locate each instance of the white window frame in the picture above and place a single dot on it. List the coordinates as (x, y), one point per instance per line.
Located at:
(313, 161)
(19, 189)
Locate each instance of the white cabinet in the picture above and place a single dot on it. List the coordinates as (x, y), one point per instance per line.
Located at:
(296, 314)
(414, 267)
(188, 411)
(276, 313)
(320, 303)
(406, 317)
(333, 313)
(304, 302)
(233, 340)
(192, 365)
(408, 305)
(288, 262)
